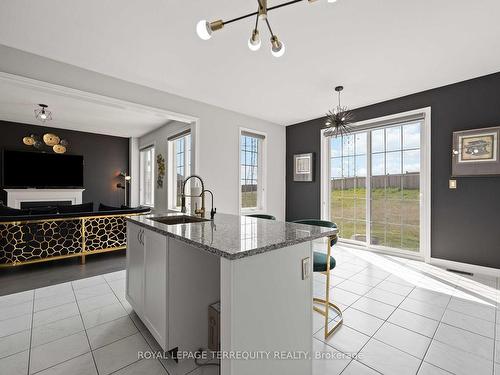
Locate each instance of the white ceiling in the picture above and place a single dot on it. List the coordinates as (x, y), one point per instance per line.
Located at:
(378, 49)
(71, 111)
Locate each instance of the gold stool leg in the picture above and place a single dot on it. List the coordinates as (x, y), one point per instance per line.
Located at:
(326, 302)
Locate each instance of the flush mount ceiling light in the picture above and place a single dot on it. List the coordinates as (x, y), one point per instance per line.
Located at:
(42, 113)
(338, 119)
(205, 29)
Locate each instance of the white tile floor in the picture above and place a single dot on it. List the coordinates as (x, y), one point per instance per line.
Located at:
(407, 317)
(85, 327)
(400, 317)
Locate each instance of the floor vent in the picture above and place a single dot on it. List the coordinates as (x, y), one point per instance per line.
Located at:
(460, 272)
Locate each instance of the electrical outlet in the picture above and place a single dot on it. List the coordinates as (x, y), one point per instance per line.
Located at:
(306, 268)
(453, 184)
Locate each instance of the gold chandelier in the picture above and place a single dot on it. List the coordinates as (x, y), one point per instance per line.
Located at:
(205, 29)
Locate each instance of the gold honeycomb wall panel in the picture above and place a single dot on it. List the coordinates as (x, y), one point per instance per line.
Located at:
(21, 243)
(44, 240)
(107, 232)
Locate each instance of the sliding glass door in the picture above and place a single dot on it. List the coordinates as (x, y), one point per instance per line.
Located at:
(374, 186)
(348, 166)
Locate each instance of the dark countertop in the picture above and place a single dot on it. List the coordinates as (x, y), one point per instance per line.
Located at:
(233, 236)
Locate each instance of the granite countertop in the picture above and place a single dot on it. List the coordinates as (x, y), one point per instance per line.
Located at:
(233, 236)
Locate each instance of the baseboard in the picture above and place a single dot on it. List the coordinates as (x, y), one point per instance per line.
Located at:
(466, 267)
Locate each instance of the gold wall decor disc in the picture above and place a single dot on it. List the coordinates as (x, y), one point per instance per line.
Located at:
(51, 139)
(28, 141)
(59, 149)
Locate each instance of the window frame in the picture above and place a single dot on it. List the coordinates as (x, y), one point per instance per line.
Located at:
(148, 148)
(425, 179)
(261, 171)
(172, 163)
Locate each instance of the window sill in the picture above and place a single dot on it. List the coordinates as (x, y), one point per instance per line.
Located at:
(248, 211)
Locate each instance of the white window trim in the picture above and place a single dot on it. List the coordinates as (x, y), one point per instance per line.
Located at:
(262, 173)
(153, 190)
(425, 183)
(172, 167)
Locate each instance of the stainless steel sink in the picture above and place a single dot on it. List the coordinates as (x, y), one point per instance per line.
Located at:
(179, 219)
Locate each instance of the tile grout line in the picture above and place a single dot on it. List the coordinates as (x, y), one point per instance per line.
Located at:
(407, 296)
(60, 363)
(371, 288)
(31, 332)
(433, 339)
(85, 330)
(133, 322)
(385, 321)
(372, 336)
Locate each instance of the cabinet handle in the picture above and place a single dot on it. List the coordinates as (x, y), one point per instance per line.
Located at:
(138, 236)
(142, 237)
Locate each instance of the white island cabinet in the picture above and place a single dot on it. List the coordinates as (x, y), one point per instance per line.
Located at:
(170, 285)
(147, 279)
(259, 270)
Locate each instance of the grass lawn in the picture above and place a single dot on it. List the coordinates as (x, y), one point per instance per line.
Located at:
(249, 199)
(395, 216)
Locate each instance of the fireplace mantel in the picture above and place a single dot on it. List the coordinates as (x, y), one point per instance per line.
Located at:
(16, 196)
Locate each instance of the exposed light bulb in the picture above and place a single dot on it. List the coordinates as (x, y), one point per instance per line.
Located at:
(254, 42)
(43, 116)
(277, 47)
(455, 152)
(204, 30)
(476, 151)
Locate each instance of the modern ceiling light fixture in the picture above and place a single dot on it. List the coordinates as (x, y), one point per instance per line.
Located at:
(42, 113)
(338, 119)
(205, 28)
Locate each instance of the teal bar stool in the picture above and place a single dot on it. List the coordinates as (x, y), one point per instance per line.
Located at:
(262, 216)
(324, 263)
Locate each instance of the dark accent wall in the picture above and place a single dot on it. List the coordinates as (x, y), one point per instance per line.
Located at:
(465, 221)
(104, 157)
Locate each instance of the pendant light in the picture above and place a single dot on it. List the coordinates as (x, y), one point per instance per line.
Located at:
(338, 119)
(42, 113)
(204, 29)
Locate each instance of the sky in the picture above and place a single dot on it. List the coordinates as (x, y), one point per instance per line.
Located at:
(395, 150)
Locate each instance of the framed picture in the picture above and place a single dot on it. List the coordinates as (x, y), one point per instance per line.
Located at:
(303, 167)
(476, 152)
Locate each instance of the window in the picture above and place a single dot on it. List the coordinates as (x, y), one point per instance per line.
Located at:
(251, 171)
(395, 186)
(180, 162)
(374, 185)
(146, 183)
(348, 157)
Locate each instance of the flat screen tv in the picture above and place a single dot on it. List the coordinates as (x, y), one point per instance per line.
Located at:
(21, 169)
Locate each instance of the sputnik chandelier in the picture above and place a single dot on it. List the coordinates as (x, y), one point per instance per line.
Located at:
(338, 119)
(205, 28)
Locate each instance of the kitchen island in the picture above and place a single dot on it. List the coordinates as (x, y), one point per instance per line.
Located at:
(260, 271)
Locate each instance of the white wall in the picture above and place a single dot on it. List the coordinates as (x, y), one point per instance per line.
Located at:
(217, 161)
(159, 139)
(218, 155)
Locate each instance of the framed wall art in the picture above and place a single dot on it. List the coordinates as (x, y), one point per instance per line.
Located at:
(476, 152)
(303, 167)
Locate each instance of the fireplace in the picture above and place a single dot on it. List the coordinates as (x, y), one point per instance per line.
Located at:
(43, 197)
(36, 204)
